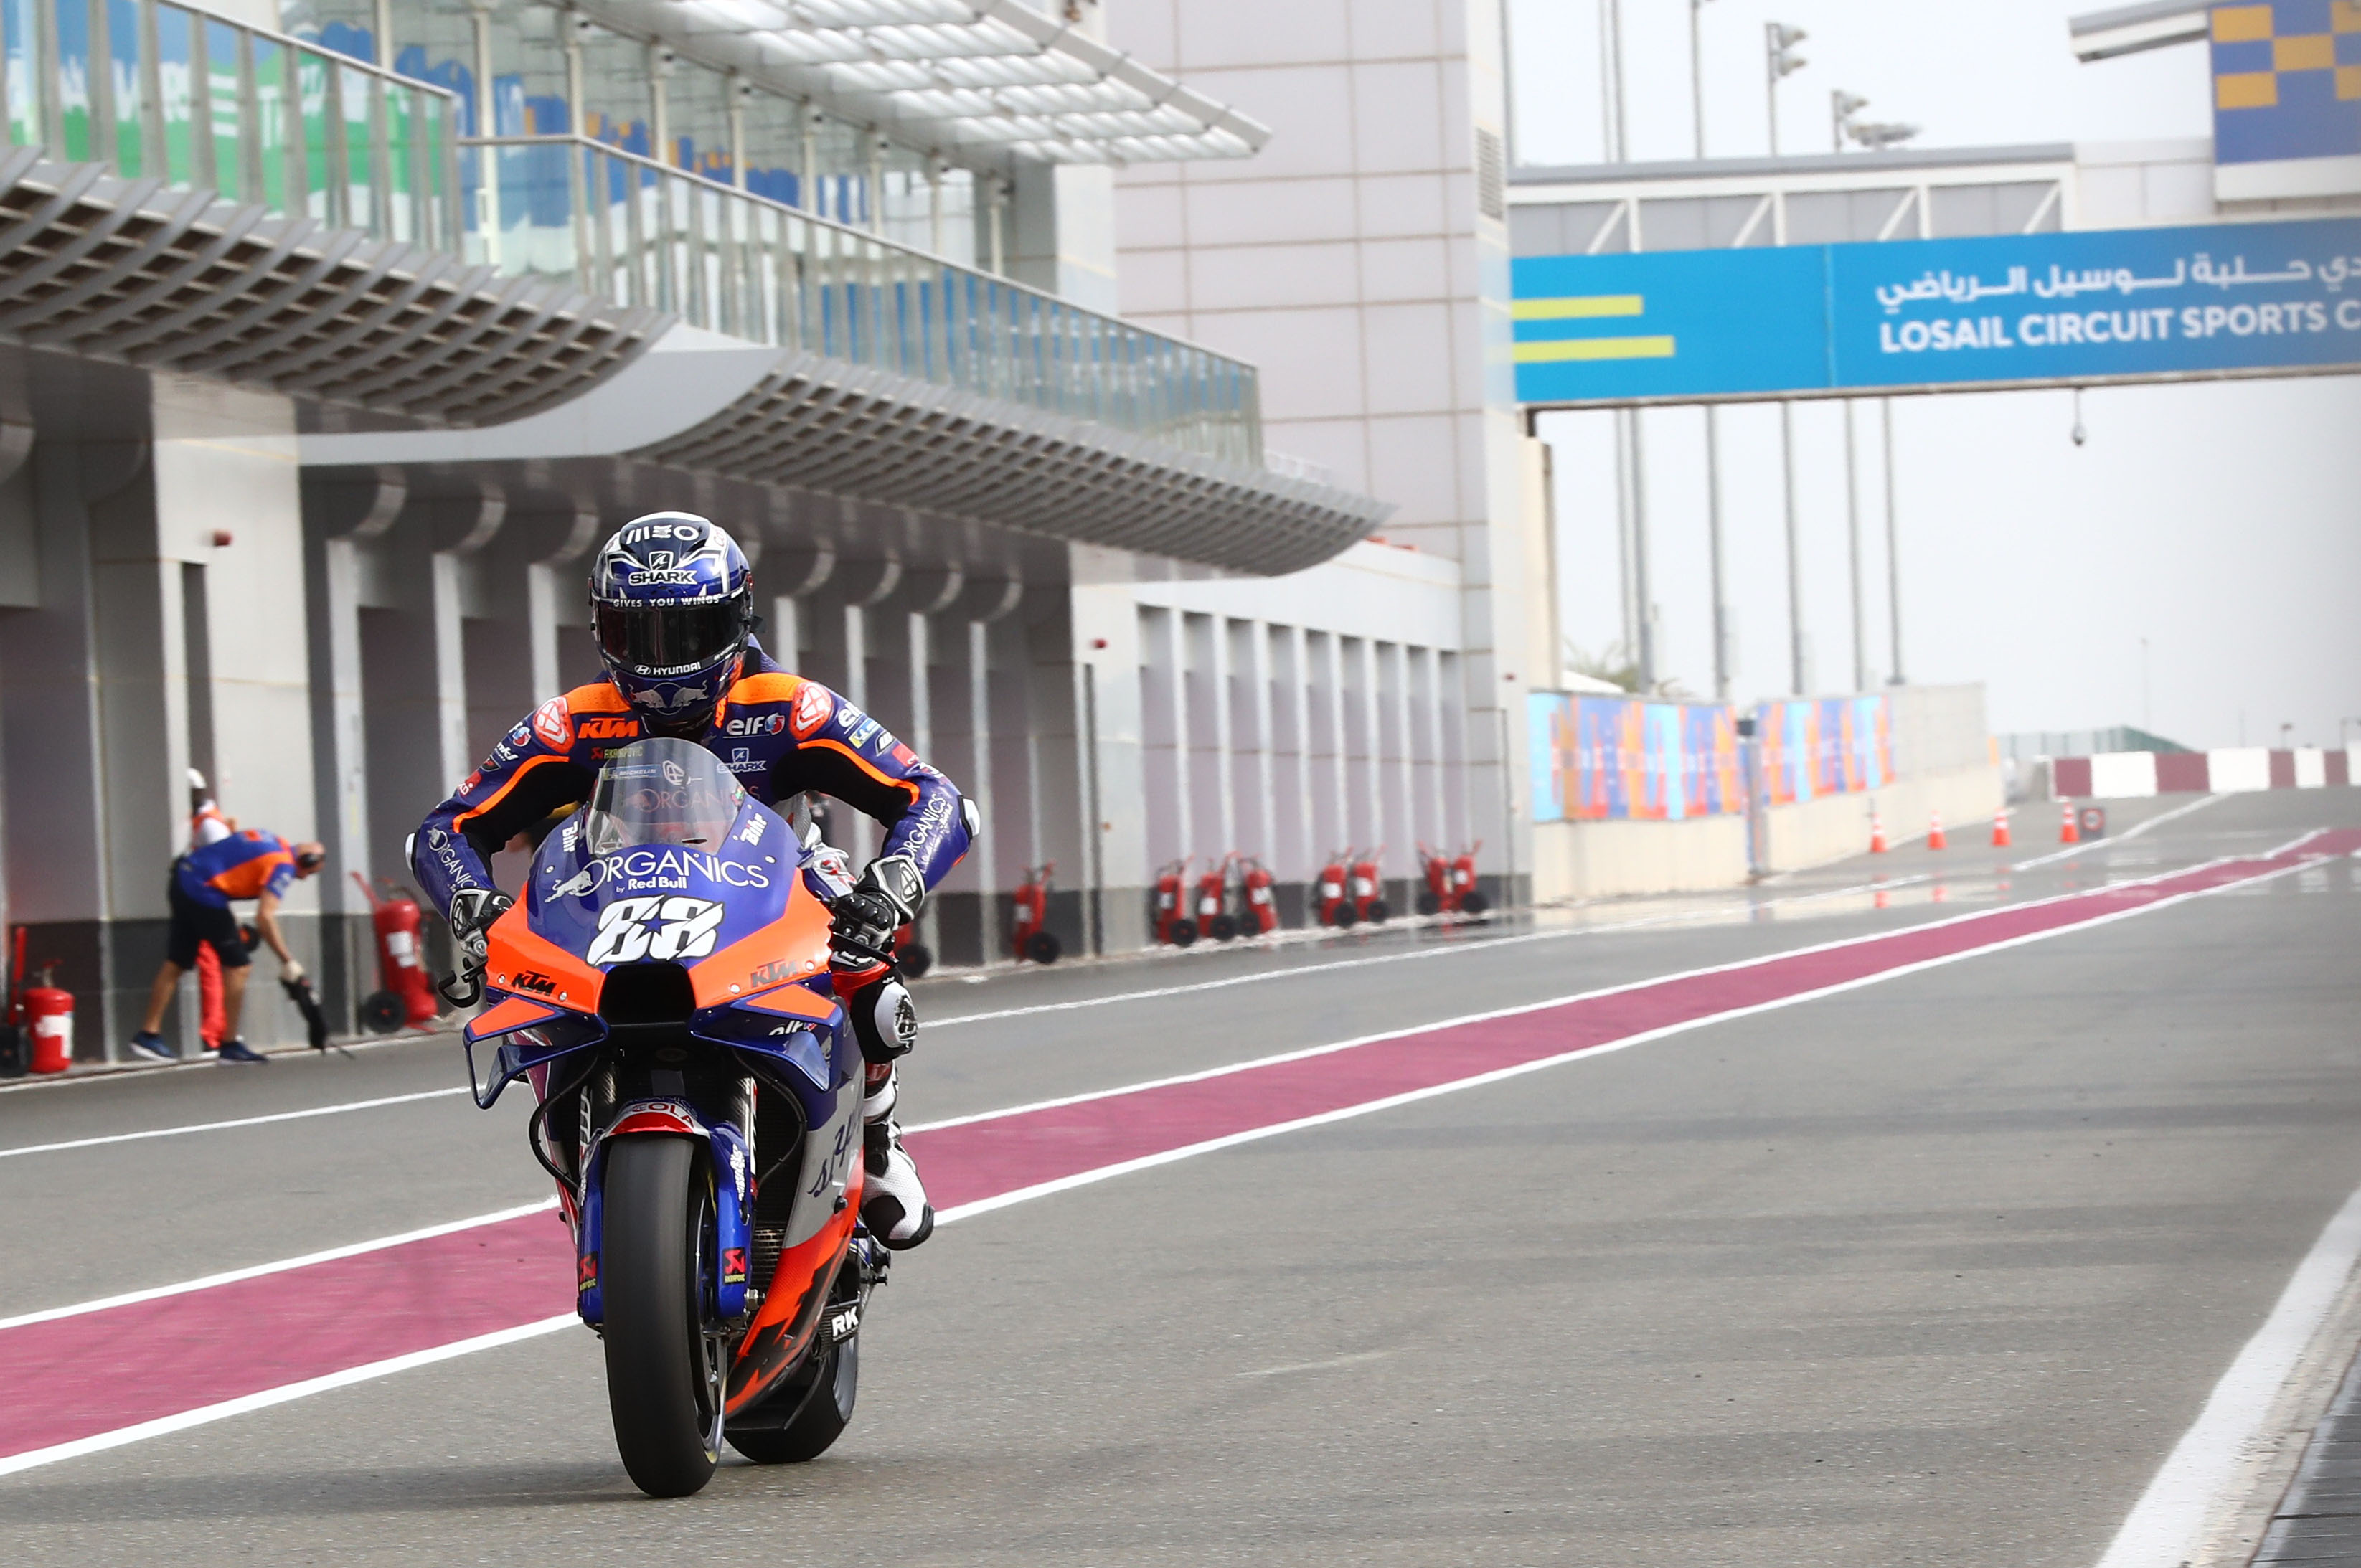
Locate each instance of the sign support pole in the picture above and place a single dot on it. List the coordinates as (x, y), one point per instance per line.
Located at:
(1796, 672)
(1893, 544)
(1852, 546)
(1713, 552)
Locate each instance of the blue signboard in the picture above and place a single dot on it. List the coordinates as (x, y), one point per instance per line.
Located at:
(2287, 81)
(1987, 312)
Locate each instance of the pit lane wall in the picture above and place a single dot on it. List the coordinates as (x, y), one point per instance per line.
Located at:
(1632, 796)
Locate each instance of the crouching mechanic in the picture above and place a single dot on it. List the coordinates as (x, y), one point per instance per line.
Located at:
(251, 865)
(672, 606)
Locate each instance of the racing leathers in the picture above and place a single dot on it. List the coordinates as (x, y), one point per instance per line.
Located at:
(782, 736)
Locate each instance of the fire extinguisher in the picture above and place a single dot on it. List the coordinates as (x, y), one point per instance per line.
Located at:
(1335, 909)
(1032, 939)
(44, 1013)
(1255, 878)
(1213, 917)
(1171, 924)
(1368, 892)
(405, 995)
(1436, 896)
(1465, 896)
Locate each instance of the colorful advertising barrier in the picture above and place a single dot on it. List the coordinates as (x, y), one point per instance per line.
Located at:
(1834, 745)
(1601, 757)
(2221, 299)
(1623, 759)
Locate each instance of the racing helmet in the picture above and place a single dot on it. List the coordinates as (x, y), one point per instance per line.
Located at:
(672, 605)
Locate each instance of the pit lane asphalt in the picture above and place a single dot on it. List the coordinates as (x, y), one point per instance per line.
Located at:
(1935, 1271)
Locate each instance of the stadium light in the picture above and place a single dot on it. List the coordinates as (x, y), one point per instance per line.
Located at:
(1878, 137)
(1842, 107)
(1781, 60)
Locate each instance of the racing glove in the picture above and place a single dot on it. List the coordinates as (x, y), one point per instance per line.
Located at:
(473, 910)
(885, 899)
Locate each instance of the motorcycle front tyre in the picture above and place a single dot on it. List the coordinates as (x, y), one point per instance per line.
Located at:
(820, 1422)
(659, 1384)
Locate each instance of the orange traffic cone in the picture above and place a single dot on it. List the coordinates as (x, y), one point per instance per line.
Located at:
(1935, 840)
(2067, 832)
(1876, 830)
(2001, 840)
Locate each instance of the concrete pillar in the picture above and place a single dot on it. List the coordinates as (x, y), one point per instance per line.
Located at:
(344, 514)
(1106, 626)
(1163, 736)
(1250, 745)
(1356, 745)
(1007, 779)
(1207, 734)
(1293, 851)
(1394, 794)
(969, 929)
(1054, 681)
(1324, 748)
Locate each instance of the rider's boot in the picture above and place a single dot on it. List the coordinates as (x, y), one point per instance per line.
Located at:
(893, 1200)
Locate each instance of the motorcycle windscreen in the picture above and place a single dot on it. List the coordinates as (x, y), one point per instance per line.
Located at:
(670, 862)
(661, 791)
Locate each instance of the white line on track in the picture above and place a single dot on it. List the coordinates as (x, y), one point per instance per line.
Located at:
(256, 1271)
(1498, 1075)
(2133, 831)
(2168, 1524)
(188, 1419)
(183, 1420)
(1454, 949)
(237, 1122)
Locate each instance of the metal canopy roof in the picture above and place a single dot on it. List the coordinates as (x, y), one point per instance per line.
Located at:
(994, 77)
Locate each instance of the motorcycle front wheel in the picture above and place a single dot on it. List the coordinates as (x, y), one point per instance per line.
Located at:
(665, 1366)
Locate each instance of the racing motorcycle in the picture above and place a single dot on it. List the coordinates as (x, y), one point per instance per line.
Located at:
(664, 986)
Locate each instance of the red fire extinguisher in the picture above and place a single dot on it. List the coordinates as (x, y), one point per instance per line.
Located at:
(405, 995)
(1213, 917)
(1335, 909)
(1464, 897)
(1171, 924)
(1436, 897)
(1031, 938)
(1368, 892)
(44, 1013)
(1255, 878)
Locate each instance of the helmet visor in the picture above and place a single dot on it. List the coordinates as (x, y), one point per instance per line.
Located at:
(676, 639)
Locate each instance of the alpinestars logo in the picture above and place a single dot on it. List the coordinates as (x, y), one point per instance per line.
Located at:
(813, 705)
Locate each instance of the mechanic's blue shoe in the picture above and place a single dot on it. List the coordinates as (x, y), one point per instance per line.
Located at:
(239, 1050)
(152, 1046)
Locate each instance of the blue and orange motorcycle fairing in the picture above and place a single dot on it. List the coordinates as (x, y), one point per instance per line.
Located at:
(743, 922)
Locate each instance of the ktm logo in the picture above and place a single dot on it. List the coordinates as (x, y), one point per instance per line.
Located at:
(607, 726)
(535, 981)
(771, 973)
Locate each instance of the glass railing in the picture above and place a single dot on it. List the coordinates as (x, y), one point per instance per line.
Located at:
(639, 232)
(164, 92)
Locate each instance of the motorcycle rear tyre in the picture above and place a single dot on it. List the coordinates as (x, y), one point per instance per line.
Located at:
(826, 1413)
(653, 1328)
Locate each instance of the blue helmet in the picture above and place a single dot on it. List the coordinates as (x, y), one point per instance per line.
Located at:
(671, 602)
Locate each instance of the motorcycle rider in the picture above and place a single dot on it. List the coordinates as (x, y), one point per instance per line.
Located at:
(672, 608)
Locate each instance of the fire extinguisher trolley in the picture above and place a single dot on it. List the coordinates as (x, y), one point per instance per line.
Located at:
(404, 994)
(1032, 939)
(1254, 880)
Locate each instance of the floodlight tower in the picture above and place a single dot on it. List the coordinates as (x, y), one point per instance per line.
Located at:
(1780, 61)
(1842, 107)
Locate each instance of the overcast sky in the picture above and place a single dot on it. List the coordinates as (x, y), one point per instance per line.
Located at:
(2214, 522)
